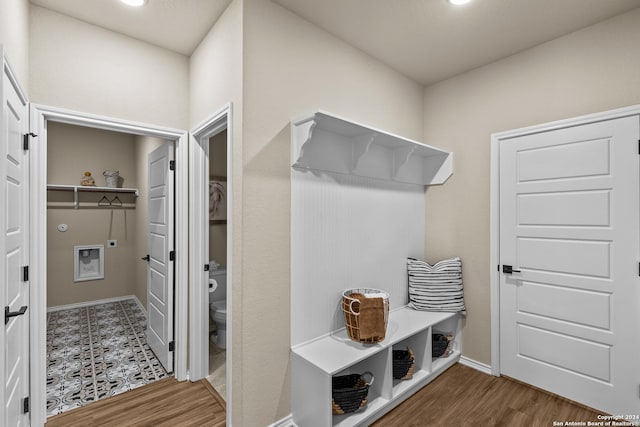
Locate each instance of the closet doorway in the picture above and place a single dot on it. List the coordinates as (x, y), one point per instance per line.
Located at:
(113, 332)
(105, 331)
(217, 284)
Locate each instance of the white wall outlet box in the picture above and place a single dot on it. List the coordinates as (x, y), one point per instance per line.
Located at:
(88, 263)
(112, 243)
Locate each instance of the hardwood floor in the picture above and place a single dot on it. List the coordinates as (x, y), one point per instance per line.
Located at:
(463, 396)
(164, 403)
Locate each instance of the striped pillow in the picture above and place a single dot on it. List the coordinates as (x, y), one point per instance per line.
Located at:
(436, 287)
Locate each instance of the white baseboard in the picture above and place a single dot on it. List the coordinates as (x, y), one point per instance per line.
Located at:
(478, 366)
(143, 309)
(285, 422)
(88, 303)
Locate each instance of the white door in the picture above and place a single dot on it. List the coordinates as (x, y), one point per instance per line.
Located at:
(160, 278)
(14, 247)
(569, 228)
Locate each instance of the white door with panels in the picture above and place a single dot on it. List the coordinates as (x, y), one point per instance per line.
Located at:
(569, 262)
(160, 241)
(14, 247)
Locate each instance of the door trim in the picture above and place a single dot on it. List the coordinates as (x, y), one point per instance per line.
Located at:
(199, 246)
(496, 140)
(39, 116)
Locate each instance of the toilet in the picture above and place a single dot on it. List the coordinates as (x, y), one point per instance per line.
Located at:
(218, 305)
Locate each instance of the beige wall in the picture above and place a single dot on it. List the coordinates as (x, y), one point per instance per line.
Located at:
(291, 68)
(71, 150)
(216, 73)
(218, 167)
(82, 67)
(591, 70)
(14, 37)
(143, 146)
(215, 67)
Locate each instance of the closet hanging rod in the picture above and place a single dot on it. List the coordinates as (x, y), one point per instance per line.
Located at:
(80, 188)
(64, 187)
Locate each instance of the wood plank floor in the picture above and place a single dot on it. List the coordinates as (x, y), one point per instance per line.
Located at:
(463, 396)
(164, 403)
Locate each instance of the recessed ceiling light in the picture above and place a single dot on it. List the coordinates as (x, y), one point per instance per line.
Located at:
(459, 2)
(134, 3)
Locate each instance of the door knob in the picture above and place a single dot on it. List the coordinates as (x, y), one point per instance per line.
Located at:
(9, 314)
(146, 258)
(508, 269)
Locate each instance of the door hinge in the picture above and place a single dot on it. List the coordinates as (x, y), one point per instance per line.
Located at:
(25, 405)
(206, 267)
(639, 146)
(172, 346)
(172, 165)
(25, 140)
(25, 273)
(498, 267)
(172, 256)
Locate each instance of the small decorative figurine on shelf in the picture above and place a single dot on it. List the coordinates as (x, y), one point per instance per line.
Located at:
(87, 180)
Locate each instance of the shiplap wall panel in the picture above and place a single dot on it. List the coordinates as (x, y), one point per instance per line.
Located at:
(348, 232)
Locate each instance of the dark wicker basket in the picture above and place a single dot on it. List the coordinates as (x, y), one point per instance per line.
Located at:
(349, 392)
(403, 363)
(439, 345)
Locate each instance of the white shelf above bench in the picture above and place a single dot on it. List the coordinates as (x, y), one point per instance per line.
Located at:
(325, 142)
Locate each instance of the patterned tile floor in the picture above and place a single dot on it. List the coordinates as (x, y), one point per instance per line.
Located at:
(95, 352)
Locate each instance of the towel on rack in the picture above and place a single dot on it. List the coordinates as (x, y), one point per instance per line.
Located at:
(371, 318)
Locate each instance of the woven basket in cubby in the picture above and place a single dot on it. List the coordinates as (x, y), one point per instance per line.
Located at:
(349, 392)
(441, 344)
(403, 364)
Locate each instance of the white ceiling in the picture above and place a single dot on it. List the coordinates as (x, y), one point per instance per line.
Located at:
(178, 25)
(427, 40)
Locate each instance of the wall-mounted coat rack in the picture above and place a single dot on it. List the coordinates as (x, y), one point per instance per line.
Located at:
(380, 218)
(324, 142)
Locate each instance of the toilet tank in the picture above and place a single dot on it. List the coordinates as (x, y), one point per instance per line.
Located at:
(220, 276)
